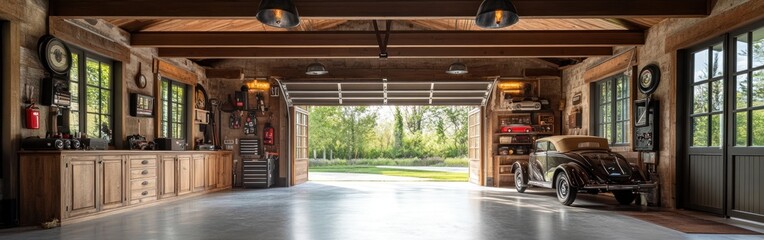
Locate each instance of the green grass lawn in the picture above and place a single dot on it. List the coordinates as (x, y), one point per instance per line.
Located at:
(434, 176)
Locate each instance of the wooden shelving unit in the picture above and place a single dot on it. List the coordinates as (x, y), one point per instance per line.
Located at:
(509, 147)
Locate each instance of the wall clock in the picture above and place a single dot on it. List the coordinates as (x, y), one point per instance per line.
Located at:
(201, 97)
(55, 55)
(140, 79)
(649, 78)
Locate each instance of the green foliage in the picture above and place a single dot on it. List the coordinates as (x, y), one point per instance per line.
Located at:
(431, 162)
(429, 175)
(388, 132)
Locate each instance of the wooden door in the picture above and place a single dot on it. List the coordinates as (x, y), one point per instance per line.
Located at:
(212, 169)
(167, 179)
(184, 174)
(474, 152)
(198, 176)
(112, 180)
(81, 185)
(300, 150)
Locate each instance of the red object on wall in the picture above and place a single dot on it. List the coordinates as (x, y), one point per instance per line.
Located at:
(268, 133)
(32, 117)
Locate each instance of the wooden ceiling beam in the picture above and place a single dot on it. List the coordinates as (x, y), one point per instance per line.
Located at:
(430, 52)
(373, 9)
(397, 39)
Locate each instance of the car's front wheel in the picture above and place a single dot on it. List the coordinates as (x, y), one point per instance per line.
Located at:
(624, 197)
(519, 181)
(566, 193)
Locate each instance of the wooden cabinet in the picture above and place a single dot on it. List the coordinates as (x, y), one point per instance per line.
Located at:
(68, 185)
(184, 178)
(212, 171)
(142, 178)
(167, 179)
(199, 177)
(81, 185)
(112, 182)
(513, 137)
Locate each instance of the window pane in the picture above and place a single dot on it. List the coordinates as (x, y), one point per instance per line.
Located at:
(105, 75)
(700, 131)
(741, 92)
(741, 125)
(93, 97)
(716, 130)
(105, 102)
(758, 88)
(74, 88)
(164, 90)
(717, 96)
(758, 47)
(700, 94)
(74, 122)
(718, 58)
(165, 112)
(757, 128)
(619, 133)
(74, 73)
(700, 67)
(94, 125)
(741, 51)
(106, 123)
(92, 72)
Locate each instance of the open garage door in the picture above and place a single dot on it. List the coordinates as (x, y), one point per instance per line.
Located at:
(300, 159)
(474, 150)
(384, 92)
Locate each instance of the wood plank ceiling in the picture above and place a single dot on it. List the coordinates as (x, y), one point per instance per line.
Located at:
(152, 24)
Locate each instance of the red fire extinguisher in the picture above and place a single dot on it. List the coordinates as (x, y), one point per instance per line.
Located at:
(33, 117)
(268, 133)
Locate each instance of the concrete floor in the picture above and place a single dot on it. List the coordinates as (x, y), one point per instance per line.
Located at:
(371, 210)
(355, 177)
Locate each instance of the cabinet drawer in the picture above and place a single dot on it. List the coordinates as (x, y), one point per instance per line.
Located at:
(143, 172)
(141, 163)
(142, 193)
(139, 184)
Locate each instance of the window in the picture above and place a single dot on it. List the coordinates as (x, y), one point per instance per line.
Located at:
(611, 109)
(541, 146)
(748, 77)
(91, 84)
(707, 86)
(173, 122)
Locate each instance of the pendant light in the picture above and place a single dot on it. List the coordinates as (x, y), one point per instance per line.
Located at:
(496, 14)
(316, 69)
(278, 13)
(457, 68)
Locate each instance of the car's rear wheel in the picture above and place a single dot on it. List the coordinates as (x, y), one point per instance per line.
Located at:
(566, 193)
(519, 181)
(624, 197)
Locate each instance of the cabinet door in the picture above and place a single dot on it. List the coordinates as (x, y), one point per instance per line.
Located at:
(169, 174)
(184, 174)
(198, 176)
(112, 181)
(212, 171)
(222, 177)
(81, 185)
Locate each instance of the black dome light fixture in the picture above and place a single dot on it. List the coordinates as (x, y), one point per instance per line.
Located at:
(278, 13)
(457, 68)
(496, 14)
(316, 69)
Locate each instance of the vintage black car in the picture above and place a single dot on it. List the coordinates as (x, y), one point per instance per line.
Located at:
(572, 164)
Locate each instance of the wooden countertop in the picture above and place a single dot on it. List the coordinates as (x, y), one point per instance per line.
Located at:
(118, 152)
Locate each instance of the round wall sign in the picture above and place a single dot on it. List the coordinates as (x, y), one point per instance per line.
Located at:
(55, 55)
(649, 78)
(141, 81)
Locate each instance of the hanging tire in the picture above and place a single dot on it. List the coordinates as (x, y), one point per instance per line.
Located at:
(519, 181)
(624, 197)
(566, 193)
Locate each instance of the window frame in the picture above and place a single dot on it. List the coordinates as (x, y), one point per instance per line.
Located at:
(614, 100)
(82, 86)
(184, 104)
(732, 73)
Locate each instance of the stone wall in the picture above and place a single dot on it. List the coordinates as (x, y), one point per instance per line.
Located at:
(654, 51)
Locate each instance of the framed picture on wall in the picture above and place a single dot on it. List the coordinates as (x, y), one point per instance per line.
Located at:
(141, 105)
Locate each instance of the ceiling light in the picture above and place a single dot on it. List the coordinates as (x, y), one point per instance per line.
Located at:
(496, 14)
(457, 69)
(316, 69)
(278, 13)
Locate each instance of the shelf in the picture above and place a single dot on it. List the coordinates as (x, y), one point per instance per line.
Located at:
(515, 144)
(513, 156)
(515, 134)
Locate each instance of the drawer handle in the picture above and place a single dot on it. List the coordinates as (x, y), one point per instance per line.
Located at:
(144, 162)
(144, 193)
(144, 172)
(144, 183)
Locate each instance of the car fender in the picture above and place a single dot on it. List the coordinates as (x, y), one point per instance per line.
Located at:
(523, 166)
(576, 174)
